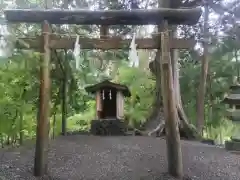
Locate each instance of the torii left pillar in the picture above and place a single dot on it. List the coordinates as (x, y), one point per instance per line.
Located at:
(41, 151)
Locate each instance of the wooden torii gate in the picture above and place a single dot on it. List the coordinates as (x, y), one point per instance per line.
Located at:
(47, 42)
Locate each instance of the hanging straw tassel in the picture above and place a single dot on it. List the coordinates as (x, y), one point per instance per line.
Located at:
(76, 52)
(133, 57)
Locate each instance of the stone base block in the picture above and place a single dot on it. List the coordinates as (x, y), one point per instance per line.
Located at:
(232, 145)
(108, 127)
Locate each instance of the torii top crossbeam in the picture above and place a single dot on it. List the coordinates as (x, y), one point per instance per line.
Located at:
(106, 17)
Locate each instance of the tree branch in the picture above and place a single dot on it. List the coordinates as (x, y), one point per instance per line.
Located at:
(218, 8)
(190, 3)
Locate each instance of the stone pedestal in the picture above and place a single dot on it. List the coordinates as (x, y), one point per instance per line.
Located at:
(236, 131)
(233, 113)
(108, 127)
(234, 144)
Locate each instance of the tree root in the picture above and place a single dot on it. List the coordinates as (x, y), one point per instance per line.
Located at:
(158, 130)
(186, 129)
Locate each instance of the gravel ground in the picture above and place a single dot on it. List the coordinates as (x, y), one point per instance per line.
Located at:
(119, 158)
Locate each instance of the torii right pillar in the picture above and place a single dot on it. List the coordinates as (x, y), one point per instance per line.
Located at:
(174, 153)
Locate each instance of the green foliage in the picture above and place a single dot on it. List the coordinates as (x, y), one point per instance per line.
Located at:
(19, 78)
(19, 87)
(222, 70)
(137, 107)
(141, 85)
(81, 122)
(17, 96)
(220, 133)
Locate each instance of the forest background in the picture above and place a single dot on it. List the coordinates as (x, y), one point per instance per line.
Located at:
(19, 71)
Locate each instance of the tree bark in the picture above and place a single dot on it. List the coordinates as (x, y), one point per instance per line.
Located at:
(237, 65)
(64, 105)
(154, 67)
(55, 113)
(204, 72)
(187, 130)
(211, 102)
(65, 96)
(21, 133)
(54, 124)
(1, 140)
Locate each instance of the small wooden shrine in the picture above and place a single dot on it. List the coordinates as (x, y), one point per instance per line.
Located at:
(109, 108)
(233, 113)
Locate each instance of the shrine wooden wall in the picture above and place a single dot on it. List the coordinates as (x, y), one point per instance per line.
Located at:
(98, 104)
(120, 105)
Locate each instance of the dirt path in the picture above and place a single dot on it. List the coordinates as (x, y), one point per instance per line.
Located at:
(120, 158)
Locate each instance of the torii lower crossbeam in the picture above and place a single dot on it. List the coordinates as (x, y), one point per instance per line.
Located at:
(104, 44)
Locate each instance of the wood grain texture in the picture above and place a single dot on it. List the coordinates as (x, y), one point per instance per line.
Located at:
(106, 17)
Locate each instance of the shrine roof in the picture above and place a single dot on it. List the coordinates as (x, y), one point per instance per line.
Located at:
(232, 99)
(235, 86)
(109, 85)
(234, 95)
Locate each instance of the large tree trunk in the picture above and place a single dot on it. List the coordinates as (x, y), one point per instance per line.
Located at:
(204, 72)
(155, 121)
(155, 124)
(186, 130)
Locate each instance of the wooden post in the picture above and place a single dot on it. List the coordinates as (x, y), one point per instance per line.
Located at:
(64, 104)
(103, 32)
(120, 105)
(98, 104)
(65, 96)
(40, 164)
(170, 109)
